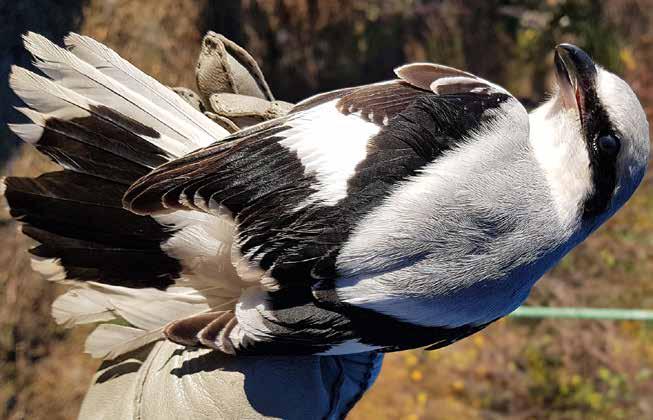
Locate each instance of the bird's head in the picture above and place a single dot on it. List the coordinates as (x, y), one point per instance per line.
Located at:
(600, 145)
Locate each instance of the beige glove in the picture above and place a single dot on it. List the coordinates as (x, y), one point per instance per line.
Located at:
(224, 66)
(168, 381)
(243, 111)
(165, 381)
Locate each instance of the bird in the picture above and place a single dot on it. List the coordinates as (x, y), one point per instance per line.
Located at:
(407, 213)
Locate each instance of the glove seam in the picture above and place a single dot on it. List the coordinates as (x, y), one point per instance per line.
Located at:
(365, 385)
(246, 60)
(335, 395)
(140, 387)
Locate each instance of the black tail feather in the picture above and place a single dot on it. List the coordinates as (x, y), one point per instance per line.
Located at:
(93, 146)
(79, 220)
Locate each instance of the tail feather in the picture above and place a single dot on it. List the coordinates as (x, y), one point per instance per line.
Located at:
(108, 124)
(89, 233)
(109, 341)
(145, 311)
(112, 65)
(91, 145)
(66, 198)
(77, 132)
(141, 99)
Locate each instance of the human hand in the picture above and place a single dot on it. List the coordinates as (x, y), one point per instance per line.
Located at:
(166, 381)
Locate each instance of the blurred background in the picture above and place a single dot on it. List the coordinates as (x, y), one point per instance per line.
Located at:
(515, 369)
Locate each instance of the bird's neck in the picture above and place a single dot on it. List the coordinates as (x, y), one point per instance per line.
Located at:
(560, 151)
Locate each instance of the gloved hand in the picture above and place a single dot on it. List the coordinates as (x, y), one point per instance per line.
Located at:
(232, 89)
(168, 381)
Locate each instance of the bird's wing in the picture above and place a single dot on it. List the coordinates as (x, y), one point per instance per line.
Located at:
(298, 185)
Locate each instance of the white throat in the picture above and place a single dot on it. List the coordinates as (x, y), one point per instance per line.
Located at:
(561, 152)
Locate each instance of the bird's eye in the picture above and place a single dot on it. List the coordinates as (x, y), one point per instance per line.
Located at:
(609, 145)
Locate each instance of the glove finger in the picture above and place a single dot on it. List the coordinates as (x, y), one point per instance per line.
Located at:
(244, 111)
(231, 105)
(224, 66)
(223, 122)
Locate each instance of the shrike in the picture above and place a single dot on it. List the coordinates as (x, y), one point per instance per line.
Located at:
(407, 213)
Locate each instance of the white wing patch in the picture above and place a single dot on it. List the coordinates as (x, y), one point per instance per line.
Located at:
(329, 145)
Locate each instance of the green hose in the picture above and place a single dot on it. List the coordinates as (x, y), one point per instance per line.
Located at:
(583, 313)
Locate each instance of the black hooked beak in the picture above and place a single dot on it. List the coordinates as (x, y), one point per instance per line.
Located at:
(576, 74)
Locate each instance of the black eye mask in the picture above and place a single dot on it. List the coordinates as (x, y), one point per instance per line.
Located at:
(603, 146)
